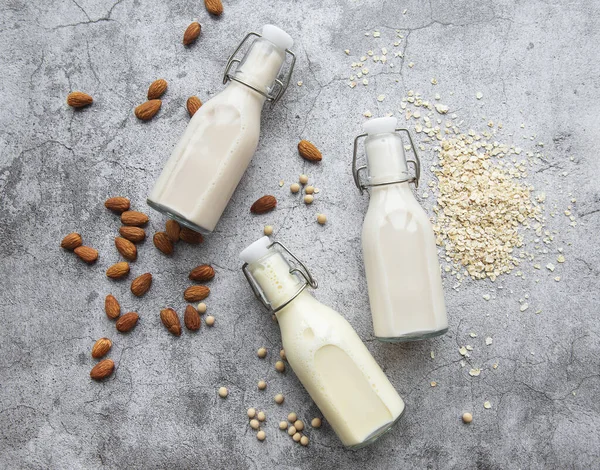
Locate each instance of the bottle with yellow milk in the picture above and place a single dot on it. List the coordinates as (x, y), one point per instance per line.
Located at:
(330, 360)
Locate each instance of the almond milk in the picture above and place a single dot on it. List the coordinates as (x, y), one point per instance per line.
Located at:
(208, 162)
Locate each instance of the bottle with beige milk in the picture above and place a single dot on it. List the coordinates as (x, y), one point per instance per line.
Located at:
(208, 162)
(331, 361)
(399, 250)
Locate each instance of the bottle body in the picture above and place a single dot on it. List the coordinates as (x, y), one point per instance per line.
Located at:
(330, 360)
(208, 162)
(402, 268)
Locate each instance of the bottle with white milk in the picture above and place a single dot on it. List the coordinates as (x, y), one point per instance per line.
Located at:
(399, 250)
(331, 361)
(208, 162)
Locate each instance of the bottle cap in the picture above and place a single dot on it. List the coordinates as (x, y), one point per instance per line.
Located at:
(277, 36)
(380, 125)
(256, 250)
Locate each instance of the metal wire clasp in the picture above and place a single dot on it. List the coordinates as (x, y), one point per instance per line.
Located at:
(411, 179)
(309, 281)
(278, 87)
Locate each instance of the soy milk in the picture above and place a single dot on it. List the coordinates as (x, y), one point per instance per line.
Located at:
(324, 351)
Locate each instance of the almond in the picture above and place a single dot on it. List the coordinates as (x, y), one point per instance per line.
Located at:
(78, 99)
(193, 104)
(157, 89)
(134, 218)
(112, 307)
(101, 348)
(202, 273)
(87, 254)
(191, 33)
(126, 248)
(173, 230)
(148, 110)
(191, 318)
(71, 241)
(141, 284)
(117, 204)
(264, 204)
(163, 243)
(118, 270)
(133, 234)
(170, 319)
(103, 369)
(127, 322)
(214, 7)
(189, 236)
(196, 293)
(308, 151)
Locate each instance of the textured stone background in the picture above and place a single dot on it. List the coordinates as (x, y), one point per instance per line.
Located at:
(536, 62)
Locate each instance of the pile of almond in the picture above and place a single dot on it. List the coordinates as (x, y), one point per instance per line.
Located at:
(132, 232)
(165, 241)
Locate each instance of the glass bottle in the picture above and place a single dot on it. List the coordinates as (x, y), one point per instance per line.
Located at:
(328, 357)
(399, 250)
(212, 155)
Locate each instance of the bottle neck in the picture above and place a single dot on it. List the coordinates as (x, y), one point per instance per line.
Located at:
(386, 160)
(261, 65)
(240, 93)
(272, 273)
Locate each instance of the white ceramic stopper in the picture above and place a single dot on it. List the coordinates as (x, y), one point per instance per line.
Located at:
(380, 125)
(256, 250)
(277, 36)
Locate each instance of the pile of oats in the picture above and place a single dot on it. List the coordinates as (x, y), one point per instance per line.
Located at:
(481, 205)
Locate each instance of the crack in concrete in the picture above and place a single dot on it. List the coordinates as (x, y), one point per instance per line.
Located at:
(106, 18)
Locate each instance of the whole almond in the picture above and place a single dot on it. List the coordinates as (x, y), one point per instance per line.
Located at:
(308, 151)
(126, 248)
(102, 370)
(117, 204)
(170, 319)
(173, 230)
(191, 318)
(71, 241)
(101, 348)
(148, 110)
(193, 104)
(133, 234)
(78, 99)
(134, 218)
(264, 204)
(127, 322)
(157, 89)
(118, 270)
(87, 254)
(189, 236)
(196, 293)
(112, 307)
(191, 33)
(141, 284)
(214, 7)
(202, 273)
(163, 243)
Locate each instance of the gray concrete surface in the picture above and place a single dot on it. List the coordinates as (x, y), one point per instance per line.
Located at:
(535, 62)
